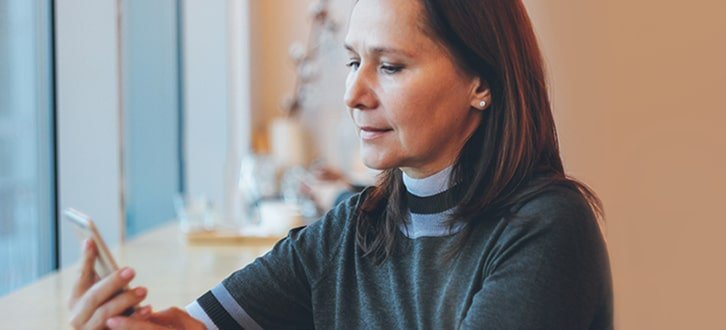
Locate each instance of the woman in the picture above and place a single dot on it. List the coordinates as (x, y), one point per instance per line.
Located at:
(473, 224)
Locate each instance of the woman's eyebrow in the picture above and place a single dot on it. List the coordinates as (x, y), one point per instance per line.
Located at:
(380, 50)
(349, 48)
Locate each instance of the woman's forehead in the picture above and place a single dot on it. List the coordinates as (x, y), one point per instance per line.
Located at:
(386, 25)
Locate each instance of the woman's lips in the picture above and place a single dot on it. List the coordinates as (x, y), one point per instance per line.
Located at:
(372, 133)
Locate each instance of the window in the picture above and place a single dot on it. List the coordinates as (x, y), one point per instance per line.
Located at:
(27, 180)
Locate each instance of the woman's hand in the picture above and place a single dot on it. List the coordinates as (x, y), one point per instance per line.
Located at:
(172, 318)
(93, 301)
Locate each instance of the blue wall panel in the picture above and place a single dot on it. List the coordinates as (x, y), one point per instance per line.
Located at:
(152, 112)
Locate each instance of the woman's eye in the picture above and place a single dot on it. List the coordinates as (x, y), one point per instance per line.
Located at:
(391, 69)
(353, 64)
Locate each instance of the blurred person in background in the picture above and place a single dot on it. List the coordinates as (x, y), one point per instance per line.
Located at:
(473, 223)
(328, 187)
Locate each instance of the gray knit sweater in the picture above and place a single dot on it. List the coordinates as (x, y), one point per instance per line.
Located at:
(545, 268)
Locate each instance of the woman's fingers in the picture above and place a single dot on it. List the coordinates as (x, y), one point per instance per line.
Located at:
(170, 317)
(142, 313)
(116, 306)
(92, 301)
(108, 287)
(174, 318)
(120, 322)
(101, 292)
(87, 274)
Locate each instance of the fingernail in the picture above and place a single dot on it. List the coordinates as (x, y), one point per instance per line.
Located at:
(140, 292)
(127, 273)
(87, 244)
(113, 322)
(146, 310)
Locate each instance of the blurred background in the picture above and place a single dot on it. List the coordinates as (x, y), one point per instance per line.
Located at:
(121, 107)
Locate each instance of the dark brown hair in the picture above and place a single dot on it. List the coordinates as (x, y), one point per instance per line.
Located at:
(513, 155)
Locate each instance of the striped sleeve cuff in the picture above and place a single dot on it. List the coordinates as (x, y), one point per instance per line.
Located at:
(217, 309)
(198, 313)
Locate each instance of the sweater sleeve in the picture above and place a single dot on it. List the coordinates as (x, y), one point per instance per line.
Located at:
(275, 290)
(549, 270)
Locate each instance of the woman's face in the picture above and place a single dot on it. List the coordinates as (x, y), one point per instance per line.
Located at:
(412, 106)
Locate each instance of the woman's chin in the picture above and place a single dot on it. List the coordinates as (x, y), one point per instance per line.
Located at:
(375, 165)
(376, 162)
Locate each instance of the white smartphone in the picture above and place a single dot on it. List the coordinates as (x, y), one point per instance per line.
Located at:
(105, 264)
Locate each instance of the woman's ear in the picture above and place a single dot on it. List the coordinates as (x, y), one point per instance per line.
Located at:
(480, 95)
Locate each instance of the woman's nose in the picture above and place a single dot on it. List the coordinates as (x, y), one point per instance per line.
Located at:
(358, 91)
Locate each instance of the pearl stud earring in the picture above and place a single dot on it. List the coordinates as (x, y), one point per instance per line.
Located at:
(482, 104)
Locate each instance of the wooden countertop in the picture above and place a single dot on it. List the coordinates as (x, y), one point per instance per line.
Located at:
(175, 272)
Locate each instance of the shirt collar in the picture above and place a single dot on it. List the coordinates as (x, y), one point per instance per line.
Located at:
(430, 185)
